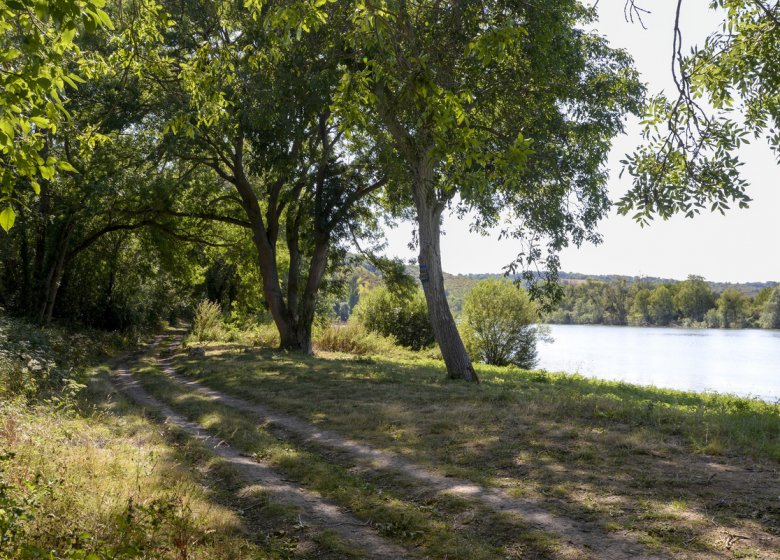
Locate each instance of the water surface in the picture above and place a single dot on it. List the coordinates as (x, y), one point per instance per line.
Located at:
(742, 362)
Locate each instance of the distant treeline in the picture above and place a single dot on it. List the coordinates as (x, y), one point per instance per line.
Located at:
(619, 300)
(692, 303)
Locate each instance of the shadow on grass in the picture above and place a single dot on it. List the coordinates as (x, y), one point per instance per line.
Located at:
(622, 456)
(274, 528)
(396, 510)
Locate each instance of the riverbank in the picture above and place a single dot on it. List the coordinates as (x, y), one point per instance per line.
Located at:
(677, 471)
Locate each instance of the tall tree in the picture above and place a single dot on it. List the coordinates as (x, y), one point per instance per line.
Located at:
(770, 314)
(248, 94)
(694, 298)
(503, 107)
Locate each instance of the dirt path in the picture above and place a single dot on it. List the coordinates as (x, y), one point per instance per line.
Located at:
(315, 510)
(582, 540)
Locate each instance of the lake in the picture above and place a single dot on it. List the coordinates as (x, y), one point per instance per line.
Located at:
(742, 362)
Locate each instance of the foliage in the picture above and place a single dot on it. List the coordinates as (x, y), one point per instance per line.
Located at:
(660, 306)
(726, 95)
(208, 323)
(694, 298)
(402, 316)
(422, 70)
(693, 302)
(770, 313)
(732, 309)
(48, 364)
(353, 338)
(38, 57)
(497, 324)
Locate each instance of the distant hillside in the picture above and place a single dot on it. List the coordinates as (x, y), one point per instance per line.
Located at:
(458, 285)
(366, 276)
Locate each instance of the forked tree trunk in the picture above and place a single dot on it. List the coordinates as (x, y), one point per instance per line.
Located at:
(266, 259)
(284, 321)
(429, 211)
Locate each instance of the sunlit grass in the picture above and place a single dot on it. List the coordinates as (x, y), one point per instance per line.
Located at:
(407, 514)
(591, 449)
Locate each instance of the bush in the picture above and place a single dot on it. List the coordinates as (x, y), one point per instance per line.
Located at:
(208, 323)
(770, 314)
(48, 363)
(403, 318)
(353, 338)
(497, 326)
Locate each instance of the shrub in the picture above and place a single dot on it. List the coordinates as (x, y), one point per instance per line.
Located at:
(497, 325)
(770, 314)
(405, 318)
(208, 323)
(353, 338)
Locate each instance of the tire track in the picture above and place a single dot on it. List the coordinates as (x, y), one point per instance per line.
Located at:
(582, 539)
(316, 511)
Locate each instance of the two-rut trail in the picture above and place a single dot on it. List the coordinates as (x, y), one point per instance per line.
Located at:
(582, 540)
(314, 509)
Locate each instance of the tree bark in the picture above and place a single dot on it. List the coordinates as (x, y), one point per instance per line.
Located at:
(54, 278)
(266, 255)
(308, 306)
(429, 211)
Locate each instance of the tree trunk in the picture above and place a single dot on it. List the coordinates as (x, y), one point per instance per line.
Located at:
(54, 278)
(429, 211)
(285, 323)
(266, 257)
(308, 307)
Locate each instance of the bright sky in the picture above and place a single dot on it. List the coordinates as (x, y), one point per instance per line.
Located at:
(738, 247)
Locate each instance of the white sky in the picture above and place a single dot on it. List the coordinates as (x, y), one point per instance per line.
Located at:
(738, 247)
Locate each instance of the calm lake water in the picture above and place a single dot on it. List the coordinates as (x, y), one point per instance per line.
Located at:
(742, 362)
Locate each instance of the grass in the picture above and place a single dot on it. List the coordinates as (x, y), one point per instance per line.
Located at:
(420, 520)
(109, 484)
(593, 450)
(85, 474)
(83, 471)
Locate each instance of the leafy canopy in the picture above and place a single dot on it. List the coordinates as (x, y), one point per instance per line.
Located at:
(39, 59)
(728, 93)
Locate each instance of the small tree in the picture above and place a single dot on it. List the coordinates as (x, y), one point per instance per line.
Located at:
(402, 316)
(732, 308)
(661, 306)
(497, 325)
(694, 298)
(770, 316)
(208, 324)
(640, 308)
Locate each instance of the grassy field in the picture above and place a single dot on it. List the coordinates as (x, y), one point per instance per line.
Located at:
(687, 474)
(85, 472)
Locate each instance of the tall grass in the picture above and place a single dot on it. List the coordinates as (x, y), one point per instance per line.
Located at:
(208, 323)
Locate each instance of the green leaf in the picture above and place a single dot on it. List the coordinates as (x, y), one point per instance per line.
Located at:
(46, 172)
(65, 166)
(7, 218)
(68, 35)
(41, 121)
(104, 18)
